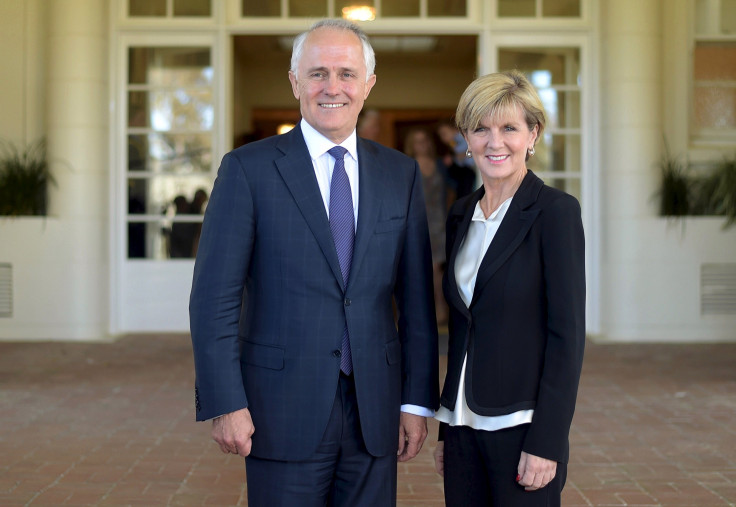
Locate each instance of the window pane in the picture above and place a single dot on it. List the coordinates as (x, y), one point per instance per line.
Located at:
(180, 202)
(192, 8)
(562, 107)
(399, 8)
(715, 107)
(516, 8)
(715, 62)
(714, 100)
(262, 8)
(168, 110)
(555, 66)
(170, 153)
(147, 8)
(556, 153)
(158, 195)
(728, 16)
(163, 239)
(569, 185)
(138, 153)
(447, 8)
(308, 8)
(561, 8)
(169, 66)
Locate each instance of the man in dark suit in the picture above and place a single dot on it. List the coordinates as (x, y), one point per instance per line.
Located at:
(306, 238)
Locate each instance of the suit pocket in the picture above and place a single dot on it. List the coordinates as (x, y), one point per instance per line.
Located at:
(393, 352)
(392, 224)
(265, 356)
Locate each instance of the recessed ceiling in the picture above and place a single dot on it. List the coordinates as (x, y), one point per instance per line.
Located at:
(453, 50)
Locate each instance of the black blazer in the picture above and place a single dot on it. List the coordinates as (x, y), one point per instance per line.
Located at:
(269, 305)
(524, 332)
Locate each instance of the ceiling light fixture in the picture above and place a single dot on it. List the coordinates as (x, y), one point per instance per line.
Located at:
(359, 13)
(284, 128)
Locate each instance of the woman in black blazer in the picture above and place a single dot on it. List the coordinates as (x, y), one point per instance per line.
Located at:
(515, 285)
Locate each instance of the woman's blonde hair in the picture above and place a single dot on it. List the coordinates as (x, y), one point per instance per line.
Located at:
(496, 95)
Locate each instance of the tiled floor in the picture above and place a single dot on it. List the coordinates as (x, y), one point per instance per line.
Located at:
(112, 424)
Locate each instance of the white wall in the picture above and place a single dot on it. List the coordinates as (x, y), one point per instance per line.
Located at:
(60, 263)
(650, 265)
(653, 280)
(22, 70)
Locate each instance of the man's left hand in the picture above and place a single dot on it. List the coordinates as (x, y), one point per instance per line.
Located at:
(412, 432)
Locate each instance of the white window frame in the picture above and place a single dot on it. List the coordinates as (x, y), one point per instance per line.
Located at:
(131, 276)
(169, 20)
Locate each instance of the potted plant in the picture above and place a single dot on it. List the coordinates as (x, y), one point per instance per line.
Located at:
(674, 197)
(24, 179)
(720, 189)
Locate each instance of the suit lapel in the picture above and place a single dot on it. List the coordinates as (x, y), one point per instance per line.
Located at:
(514, 228)
(459, 221)
(298, 174)
(372, 175)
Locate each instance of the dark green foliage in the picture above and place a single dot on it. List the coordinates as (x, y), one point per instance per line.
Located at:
(710, 191)
(674, 195)
(24, 178)
(723, 190)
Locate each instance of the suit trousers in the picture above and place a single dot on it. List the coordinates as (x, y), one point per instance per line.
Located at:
(341, 472)
(481, 469)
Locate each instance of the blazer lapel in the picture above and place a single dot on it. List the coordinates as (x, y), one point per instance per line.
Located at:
(514, 227)
(298, 174)
(372, 175)
(459, 221)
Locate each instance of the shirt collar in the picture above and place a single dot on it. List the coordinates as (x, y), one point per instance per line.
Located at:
(317, 144)
(479, 216)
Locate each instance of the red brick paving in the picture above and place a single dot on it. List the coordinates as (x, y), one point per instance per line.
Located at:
(112, 424)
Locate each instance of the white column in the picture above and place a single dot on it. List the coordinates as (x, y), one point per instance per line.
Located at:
(77, 148)
(631, 145)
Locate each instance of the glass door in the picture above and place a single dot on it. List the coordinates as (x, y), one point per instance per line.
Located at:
(555, 73)
(167, 119)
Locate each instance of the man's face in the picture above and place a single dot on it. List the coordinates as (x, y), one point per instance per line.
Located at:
(331, 85)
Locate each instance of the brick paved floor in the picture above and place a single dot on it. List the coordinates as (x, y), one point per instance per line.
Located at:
(112, 424)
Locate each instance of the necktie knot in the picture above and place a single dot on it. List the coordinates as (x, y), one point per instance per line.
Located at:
(337, 152)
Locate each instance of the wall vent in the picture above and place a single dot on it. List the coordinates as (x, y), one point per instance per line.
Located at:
(6, 289)
(718, 289)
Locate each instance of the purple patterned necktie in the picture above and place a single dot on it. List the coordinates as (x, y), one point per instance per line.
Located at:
(342, 225)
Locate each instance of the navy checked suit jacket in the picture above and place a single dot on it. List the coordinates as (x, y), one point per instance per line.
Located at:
(268, 303)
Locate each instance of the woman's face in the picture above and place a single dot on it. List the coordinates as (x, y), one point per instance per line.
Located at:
(421, 144)
(499, 145)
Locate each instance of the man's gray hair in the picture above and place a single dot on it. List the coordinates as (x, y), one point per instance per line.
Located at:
(340, 24)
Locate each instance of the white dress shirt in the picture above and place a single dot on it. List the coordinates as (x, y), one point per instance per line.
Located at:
(472, 250)
(324, 163)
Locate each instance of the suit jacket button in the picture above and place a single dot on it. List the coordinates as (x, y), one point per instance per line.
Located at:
(336, 353)
(347, 302)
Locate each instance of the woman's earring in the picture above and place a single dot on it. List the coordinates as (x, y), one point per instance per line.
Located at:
(467, 153)
(531, 151)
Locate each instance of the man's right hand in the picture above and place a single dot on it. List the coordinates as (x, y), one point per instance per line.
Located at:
(232, 432)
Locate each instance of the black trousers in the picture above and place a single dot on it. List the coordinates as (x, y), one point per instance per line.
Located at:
(481, 469)
(341, 473)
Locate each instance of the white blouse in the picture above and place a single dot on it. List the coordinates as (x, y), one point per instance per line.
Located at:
(469, 257)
